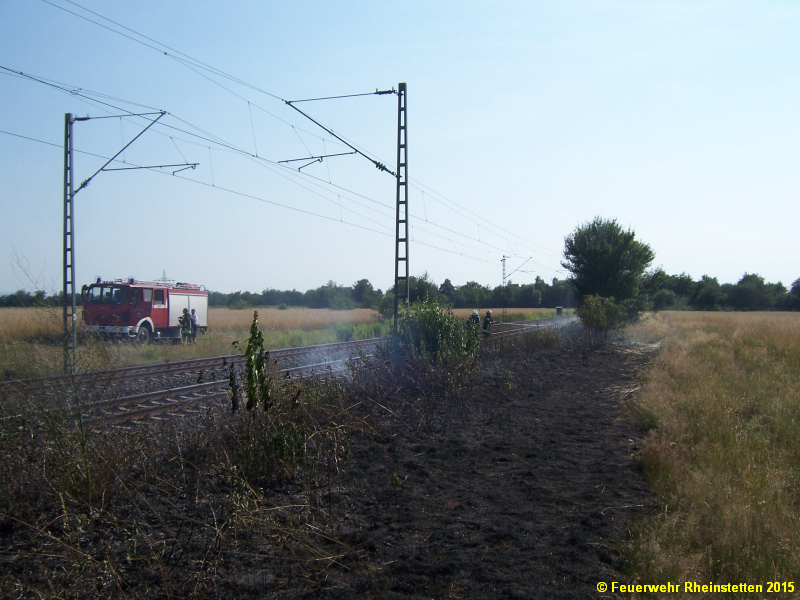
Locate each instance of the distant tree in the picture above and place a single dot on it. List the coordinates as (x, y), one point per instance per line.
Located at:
(365, 295)
(606, 260)
(558, 293)
(473, 295)
(653, 281)
(751, 292)
(529, 296)
(330, 295)
(217, 299)
(422, 288)
(708, 294)
(663, 299)
(683, 285)
(792, 301)
(448, 290)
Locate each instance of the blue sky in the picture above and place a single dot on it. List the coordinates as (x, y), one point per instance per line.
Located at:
(525, 120)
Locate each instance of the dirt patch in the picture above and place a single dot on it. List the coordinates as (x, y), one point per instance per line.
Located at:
(522, 497)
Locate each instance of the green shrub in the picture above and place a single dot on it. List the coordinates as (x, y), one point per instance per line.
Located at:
(344, 331)
(239, 305)
(429, 330)
(600, 314)
(663, 299)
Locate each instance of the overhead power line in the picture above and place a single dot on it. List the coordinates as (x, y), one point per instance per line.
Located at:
(228, 190)
(209, 137)
(195, 64)
(292, 208)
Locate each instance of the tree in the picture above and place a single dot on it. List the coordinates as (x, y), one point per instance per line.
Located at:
(751, 292)
(473, 294)
(365, 295)
(708, 295)
(663, 299)
(447, 289)
(792, 301)
(606, 260)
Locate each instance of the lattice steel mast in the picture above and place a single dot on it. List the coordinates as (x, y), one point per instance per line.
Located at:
(401, 225)
(68, 297)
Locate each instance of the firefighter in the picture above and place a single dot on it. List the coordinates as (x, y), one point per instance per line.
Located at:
(194, 326)
(487, 324)
(475, 319)
(185, 321)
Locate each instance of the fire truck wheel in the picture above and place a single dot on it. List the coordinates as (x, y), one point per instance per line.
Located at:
(143, 335)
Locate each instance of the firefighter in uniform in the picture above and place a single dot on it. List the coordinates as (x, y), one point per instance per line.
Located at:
(487, 324)
(185, 321)
(475, 320)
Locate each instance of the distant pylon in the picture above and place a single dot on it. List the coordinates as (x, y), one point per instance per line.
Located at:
(505, 302)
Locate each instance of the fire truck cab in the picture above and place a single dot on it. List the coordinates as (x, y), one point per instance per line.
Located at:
(143, 310)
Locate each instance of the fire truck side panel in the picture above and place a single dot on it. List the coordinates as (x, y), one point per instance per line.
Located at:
(200, 306)
(180, 300)
(177, 302)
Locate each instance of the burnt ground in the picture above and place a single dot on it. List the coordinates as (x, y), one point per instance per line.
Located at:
(523, 494)
(522, 498)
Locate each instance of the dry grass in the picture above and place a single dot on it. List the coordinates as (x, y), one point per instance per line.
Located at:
(514, 314)
(722, 401)
(226, 320)
(25, 324)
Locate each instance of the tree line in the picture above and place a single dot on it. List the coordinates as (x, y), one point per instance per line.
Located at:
(611, 279)
(751, 292)
(656, 290)
(362, 294)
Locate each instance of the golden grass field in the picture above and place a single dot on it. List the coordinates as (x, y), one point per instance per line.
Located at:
(722, 402)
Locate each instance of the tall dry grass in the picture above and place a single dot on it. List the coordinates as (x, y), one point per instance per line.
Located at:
(226, 320)
(722, 401)
(514, 314)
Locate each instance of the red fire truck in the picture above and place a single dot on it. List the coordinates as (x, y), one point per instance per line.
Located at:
(143, 310)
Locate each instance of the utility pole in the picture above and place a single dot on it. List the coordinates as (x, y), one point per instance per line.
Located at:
(505, 302)
(68, 292)
(401, 225)
(68, 295)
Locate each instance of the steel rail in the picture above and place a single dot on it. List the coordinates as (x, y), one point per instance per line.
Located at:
(174, 367)
(176, 398)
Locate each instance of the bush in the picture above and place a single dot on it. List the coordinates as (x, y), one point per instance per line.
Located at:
(429, 330)
(344, 331)
(600, 314)
(425, 369)
(663, 299)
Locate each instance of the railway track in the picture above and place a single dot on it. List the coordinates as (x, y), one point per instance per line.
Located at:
(186, 399)
(318, 360)
(515, 328)
(9, 388)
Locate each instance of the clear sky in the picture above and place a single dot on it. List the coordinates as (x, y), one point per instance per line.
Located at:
(525, 120)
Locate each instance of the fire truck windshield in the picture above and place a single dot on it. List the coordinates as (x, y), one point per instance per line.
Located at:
(107, 294)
